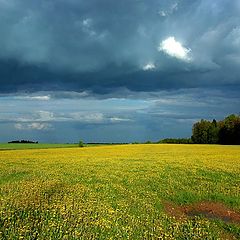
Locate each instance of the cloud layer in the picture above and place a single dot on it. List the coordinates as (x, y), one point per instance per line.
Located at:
(139, 117)
(100, 47)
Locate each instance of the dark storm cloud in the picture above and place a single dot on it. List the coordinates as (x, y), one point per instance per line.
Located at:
(103, 46)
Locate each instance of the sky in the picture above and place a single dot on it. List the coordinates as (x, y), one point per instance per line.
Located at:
(116, 71)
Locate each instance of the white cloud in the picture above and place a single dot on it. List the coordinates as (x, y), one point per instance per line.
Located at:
(174, 49)
(41, 98)
(174, 7)
(33, 126)
(169, 11)
(42, 120)
(38, 97)
(69, 94)
(93, 118)
(87, 22)
(19, 126)
(149, 66)
(87, 27)
(162, 13)
(45, 116)
(87, 117)
(38, 116)
(117, 119)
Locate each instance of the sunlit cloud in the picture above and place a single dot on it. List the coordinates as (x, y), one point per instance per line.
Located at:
(40, 98)
(175, 49)
(149, 66)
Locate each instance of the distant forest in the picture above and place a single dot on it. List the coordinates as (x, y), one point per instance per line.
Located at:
(22, 141)
(226, 131)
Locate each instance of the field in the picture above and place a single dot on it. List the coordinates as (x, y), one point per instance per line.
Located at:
(121, 192)
(15, 146)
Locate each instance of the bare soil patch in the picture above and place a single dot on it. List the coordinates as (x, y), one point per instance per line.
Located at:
(211, 210)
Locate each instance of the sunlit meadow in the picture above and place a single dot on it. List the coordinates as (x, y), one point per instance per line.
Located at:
(117, 192)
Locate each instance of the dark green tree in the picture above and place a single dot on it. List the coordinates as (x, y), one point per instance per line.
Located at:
(213, 133)
(229, 132)
(81, 143)
(226, 131)
(200, 132)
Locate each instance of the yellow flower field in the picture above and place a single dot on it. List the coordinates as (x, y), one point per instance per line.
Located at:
(118, 192)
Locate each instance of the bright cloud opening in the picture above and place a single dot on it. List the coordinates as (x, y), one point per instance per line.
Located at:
(149, 66)
(174, 49)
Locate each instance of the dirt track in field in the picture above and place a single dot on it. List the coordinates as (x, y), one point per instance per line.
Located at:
(210, 210)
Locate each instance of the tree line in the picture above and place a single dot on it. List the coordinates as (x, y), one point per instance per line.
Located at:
(22, 141)
(226, 131)
(176, 140)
